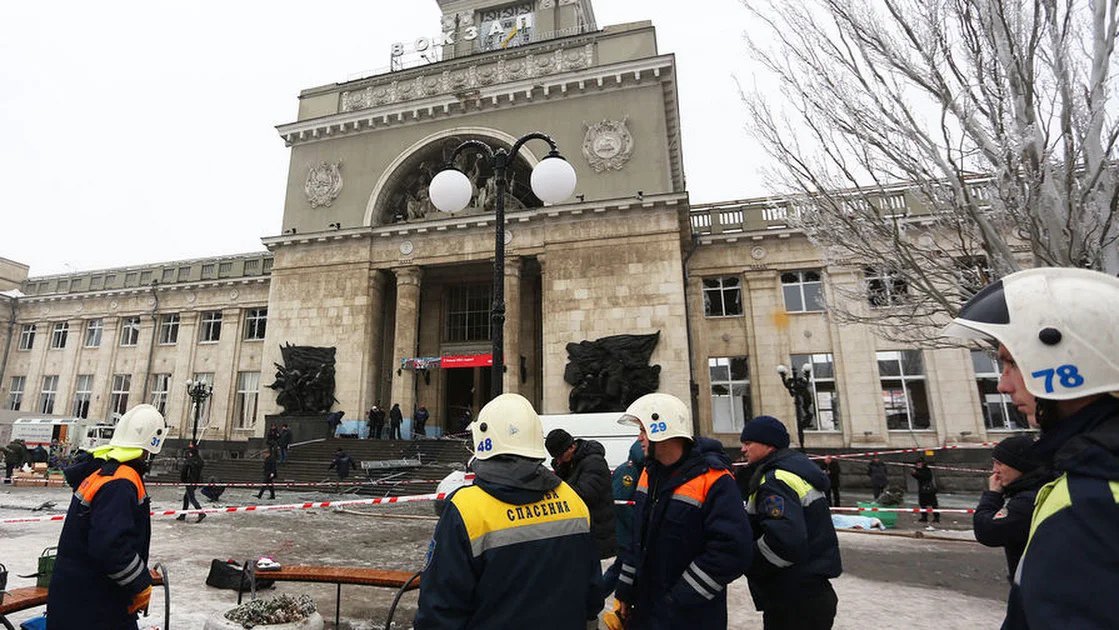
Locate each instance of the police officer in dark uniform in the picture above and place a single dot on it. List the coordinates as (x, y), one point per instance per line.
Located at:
(796, 549)
(1059, 349)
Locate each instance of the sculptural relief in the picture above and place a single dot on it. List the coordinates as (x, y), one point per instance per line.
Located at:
(324, 183)
(608, 374)
(608, 145)
(305, 382)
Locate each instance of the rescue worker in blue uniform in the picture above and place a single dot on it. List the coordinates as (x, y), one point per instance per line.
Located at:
(1002, 518)
(691, 537)
(796, 551)
(101, 578)
(1059, 349)
(515, 549)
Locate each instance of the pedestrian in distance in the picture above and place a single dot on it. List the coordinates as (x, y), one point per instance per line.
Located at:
(341, 464)
(395, 420)
(272, 438)
(1002, 518)
(796, 551)
(879, 476)
(376, 421)
(1059, 354)
(285, 442)
(191, 475)
(419, 422)
(582, 465)
(269, 479)
(691, 536)
(514, 549)
(926, 490)
(101, 573)
(830, 466)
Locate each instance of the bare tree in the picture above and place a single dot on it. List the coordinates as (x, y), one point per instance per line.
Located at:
(941, 143)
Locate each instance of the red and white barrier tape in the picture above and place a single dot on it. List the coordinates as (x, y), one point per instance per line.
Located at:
(309, 505)
(257, 484)
(916, 510)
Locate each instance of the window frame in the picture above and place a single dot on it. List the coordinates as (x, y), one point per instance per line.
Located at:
(890, 280)
(48, 395)
(722, 290)
(256, 324)
(246, 399)
(168, 329)
(1013, 420)
(96, 328)
(83, 395)
(60, 332)
(815, 380)
(731, 383)
(27, 336)
(468, 309)
(119, 393)
(904, 380)
(210, 326)
(800, 285)
(160, 391)
(130, 325)
(16, 392)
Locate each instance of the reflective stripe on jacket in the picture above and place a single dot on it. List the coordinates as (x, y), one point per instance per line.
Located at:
(493, 563)
(691, 538)
(103, 549)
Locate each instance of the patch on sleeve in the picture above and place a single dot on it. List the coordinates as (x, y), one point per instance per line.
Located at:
(430, 553)
(627, 480)
(774, 506)
(1003, 513)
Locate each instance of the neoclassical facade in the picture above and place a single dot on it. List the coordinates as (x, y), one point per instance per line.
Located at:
(366, 265)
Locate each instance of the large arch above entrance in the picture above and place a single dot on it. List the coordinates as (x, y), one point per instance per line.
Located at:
(400, 194)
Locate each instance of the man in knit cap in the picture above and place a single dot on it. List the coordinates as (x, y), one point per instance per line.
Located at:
(796, 551)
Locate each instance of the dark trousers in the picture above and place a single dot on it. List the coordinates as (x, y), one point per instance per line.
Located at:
(928, 501)
(814, 612)
(833, 496)
(394, 431)
(376, 429)
(878, 490)
(269, 487)
(283, 454)
(189, 498)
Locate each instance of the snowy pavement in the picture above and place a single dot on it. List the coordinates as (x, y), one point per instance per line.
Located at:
(888, 581)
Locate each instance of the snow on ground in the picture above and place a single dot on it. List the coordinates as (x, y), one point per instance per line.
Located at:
(888, 581)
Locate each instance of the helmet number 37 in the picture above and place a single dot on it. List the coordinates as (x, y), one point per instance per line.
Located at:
(1067, 376)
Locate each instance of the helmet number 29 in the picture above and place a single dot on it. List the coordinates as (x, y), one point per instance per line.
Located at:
(657, 427)
(1068, 376)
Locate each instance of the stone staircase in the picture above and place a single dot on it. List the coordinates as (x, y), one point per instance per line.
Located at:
(421, 463)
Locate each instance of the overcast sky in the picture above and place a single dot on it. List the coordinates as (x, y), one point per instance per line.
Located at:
(137, 132)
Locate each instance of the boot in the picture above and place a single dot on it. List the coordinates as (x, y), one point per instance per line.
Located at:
(181, 517)
(201, 517)
(272, 497)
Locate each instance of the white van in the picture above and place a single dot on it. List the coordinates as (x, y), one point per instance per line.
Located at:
(600, 427)
(72, 433)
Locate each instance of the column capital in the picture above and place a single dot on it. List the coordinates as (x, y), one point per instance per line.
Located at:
(513, 266)
(412, 275)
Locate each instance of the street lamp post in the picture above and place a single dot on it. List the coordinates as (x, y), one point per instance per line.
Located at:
(552, 180)
(799, 385)
(198, 391)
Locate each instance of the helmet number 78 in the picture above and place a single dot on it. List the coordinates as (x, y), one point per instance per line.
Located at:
(1068, 376)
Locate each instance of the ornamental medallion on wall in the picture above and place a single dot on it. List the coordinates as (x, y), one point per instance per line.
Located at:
(324, 182)
(608, 145)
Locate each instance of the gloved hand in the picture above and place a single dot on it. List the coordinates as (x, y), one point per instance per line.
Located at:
(614, 618)
(140, 601)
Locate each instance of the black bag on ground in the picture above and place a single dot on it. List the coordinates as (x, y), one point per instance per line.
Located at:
(225, 574)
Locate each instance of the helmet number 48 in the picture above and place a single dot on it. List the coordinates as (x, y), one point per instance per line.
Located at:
(657, 427)
(1067, 375)
(485, 445)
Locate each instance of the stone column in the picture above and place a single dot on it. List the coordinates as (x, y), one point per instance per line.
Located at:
(375, 340)
(408, 282)
(512, 347)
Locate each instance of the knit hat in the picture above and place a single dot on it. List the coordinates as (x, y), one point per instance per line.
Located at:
(557, 442)
(1016, 452)
(766, 430)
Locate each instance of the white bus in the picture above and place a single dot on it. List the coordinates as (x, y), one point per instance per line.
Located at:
(71, 433)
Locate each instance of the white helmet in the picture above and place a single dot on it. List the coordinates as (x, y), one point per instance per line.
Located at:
(508, 425)
(1059, 325)
(141, 427)
(664, 416)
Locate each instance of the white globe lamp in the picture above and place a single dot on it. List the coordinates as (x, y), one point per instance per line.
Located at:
(450, 190)
(553, 179)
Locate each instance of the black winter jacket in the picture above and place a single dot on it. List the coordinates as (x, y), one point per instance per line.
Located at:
(1002, 519)
(877, 473)
(102, 552)
(192, 469)
(796, 549)
(589, 475)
